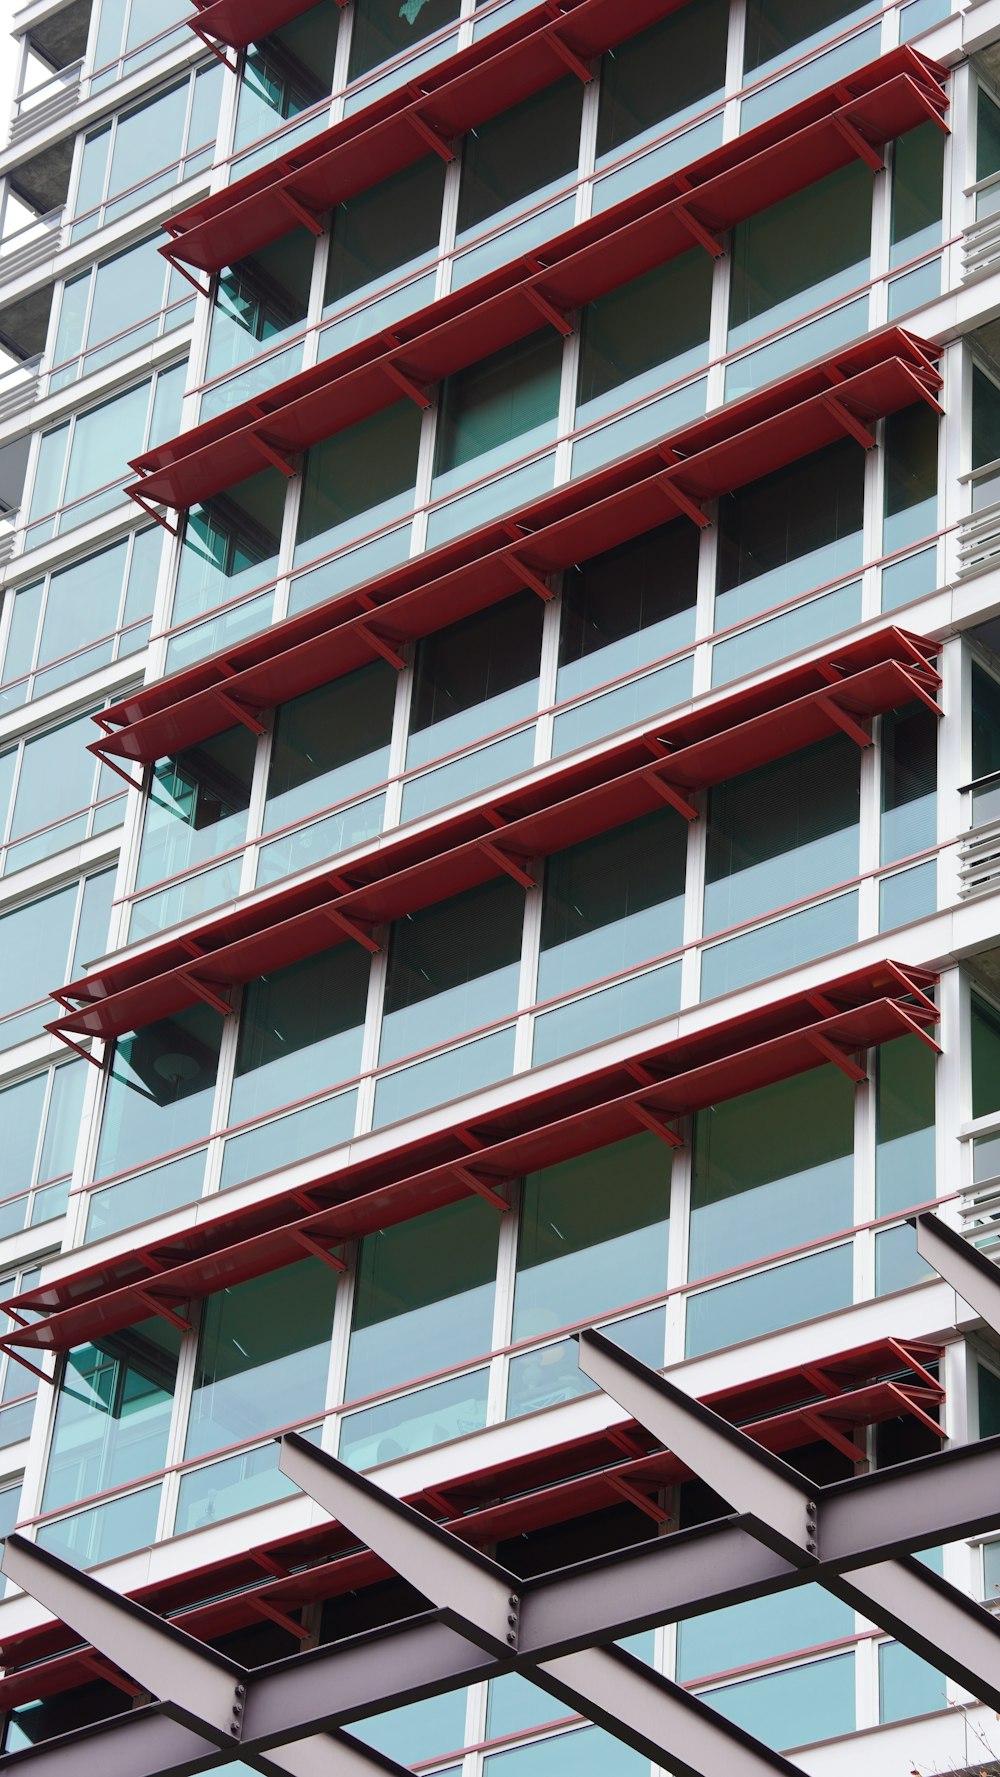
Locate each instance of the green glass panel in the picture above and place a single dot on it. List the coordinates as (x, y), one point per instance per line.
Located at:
(612, 902)
(260, 301)
(628, 606)
(474, 677)
(909, 781)
(452, 967)
(424, 1296)
(263, 1356)
(790, 532)
(658, 76)
(358, 480)
(782, 832)
(383, 28)
(47, 485)
(21, 1109)
(112, 1413)
(917, 192)
(761, 1629)
(987, 135)
(526, 150)
(56, 780)
(988, 1392)
(985, 1040)
(21, 638)
(95, 919)
(985, 722)
(160, 1091)
(287, 72)
(330, 744)
(645, 334)
(82, 605)
(772, 1170)
(985, 418)
(586, 1752)
(775, 27)
(499, 399)
(104, 440)
(783, 1296)
(911, 476)
(148, 138)
(197, 807)
(593, 1235)
(904, 1153)
(230, 545)
(907, 1685)
(800, 253)
(34, 939)
(300, 1030)
(381, 231)
(793, 1707)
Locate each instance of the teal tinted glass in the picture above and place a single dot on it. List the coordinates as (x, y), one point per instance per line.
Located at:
(112, 1413)
(586, 1752)
(197, 807)
(795, 1706)
(907, 1685)
(987, 135)
(160, 1092)
(260, 301)
(761, 1629)
(790, 532)
(612, 902)
(800, 253)
(629, 605)
(904, 1153)
(662, 73)
(782, 832)
(985, 419)
(501, 398)
(263, 1355)
(384, 229)
(524, 150)
(911, 476)
(452, 968)
(330, 743)
(776, 27)
(230, 545)
(474, 677)
(917, 192)
(985, 1046)
(300, 1030)
(592, 1235)
(370, 469)
(644, 334)
(909, 781)
(772, 1170)
(383, 28)
(424, 1296)
(985, 722)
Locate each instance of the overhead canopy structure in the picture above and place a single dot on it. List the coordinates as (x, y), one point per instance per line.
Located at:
(854, 1538)
(544, 287)
(650, 1088)
(831, 1401)
(730, 447)
(420, 116)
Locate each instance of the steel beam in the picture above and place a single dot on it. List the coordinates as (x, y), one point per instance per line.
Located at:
(639, 1706)
(952, 1494)
(776, 1502)
(971, 1274)
(196, 1685)
(926, 1613)
(471, 1592)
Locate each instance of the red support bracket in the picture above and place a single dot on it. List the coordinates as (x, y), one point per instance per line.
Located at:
(217, 1001)
(528, 577)
(481, 1186)
(318, 1251)
(96, 748)
(427, 133)
(26, 1363)
(378, 643)
(104, 1669)
(574, 63)
(408, 384)
(548, 310)
(277, 458)
(912, 1406)
(701, 231)
(683, 501)
(302, 213)
(863, 148)
(831, 1435)
(177, 265)
(642, 1501)
(670, 794)
(238, 710)
(267, 1609)
(917, 1028)
(210, 43)
(852, 727)
(134, 492)
(77, 1048)
(840, 1058)
(850, 422)
(507, 863)
(660, 1122)
(923, 392)
(353, 930)
(821, 1004)
(162, 1309)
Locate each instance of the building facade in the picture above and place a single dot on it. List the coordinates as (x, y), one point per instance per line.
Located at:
(500, 788)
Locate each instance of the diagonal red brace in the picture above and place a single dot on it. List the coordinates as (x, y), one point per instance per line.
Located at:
(482, 1188)
(318, 1250)
(683, 501)
(176, 264)
(660, 1122)
(574, 63)
(840, 1058)
(670, 794)
(548, 310)
(863, 148)
(407, 383)
(277, 458)
(433, 137)
(854, 729)
(238, 710)
(528, 576)
(353, 930)
(506, 862)
(378, 643)
(217, 1001)
(134, 492)
(302, 213)
(849, 421)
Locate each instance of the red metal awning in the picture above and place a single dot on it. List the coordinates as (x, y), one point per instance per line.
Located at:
(733, 445)
(419, 117)
(558, 806)
(544, 287)
(653, 1087)
(239, 22)
(848, 1392)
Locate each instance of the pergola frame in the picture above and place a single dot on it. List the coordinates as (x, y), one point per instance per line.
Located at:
(854, 1538)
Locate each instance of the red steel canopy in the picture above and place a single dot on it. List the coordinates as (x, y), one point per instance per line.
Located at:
(556, 807)
(733, 445)
(830, 1400)
(542, 288)
(239, 22)
(651, 1088)
(421, 116)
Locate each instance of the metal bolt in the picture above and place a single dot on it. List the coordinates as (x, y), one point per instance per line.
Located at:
(811, 1546)
(241, 1690)
(512, 1601)
(511, 1638)
(513, 1622)
(234, 1727)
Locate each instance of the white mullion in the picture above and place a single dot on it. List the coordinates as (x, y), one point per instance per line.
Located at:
(548, 670)
(224, 1076)
(587, 164)
(869, 830)
(180, 1413)
(679, 1245)
(257, 805)
(424, 479)
(7, 819)
(371, 1039)
(865, 1137)
(531, 933)
(43, 1120)
(503, 1304)
(399, 735)
(694, 902)
(734, 69)
(340, 1340)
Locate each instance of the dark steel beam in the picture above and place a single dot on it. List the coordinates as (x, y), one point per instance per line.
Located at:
(971, 1274)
